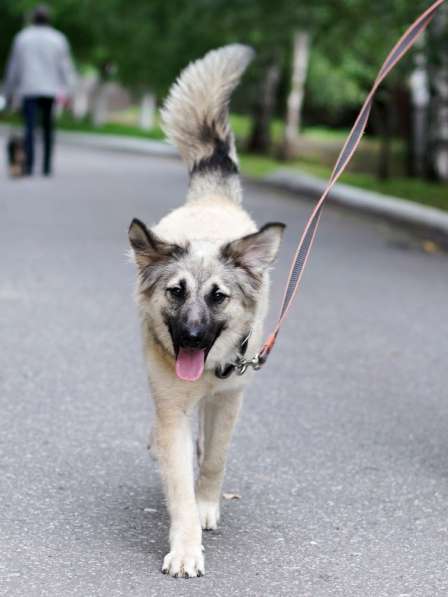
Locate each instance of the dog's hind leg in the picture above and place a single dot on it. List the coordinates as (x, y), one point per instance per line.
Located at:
(220, 415)
(175, 455)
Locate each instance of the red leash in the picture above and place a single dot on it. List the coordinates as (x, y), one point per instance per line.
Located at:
(306, 242)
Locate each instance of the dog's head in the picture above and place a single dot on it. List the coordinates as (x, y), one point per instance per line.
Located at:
(199, 299)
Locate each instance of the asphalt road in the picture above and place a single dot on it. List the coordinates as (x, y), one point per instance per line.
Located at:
(341, 453)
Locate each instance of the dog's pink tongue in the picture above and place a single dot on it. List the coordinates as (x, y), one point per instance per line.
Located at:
(190, 364)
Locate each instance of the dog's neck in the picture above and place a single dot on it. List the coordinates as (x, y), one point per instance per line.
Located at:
(227, 370)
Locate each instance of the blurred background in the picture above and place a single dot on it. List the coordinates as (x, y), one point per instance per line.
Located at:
(315, 63)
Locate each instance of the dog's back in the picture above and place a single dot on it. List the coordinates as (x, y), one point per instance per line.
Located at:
(195, 117)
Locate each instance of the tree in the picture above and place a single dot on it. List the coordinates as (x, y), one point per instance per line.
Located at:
(264, 106)
(438, 76)
(301, 52)
(149, 42)
(372, 29)
(420, 99)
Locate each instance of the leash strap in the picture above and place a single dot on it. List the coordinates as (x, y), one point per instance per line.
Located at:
(302, 253)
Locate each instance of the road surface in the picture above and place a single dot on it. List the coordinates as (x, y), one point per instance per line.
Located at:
(341, 453)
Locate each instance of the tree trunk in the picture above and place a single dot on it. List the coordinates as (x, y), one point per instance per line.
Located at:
(382, 120)
(147, 111)
(100, 99)
(301, 56)
(82, 96)
(100, 109)
(419, 88)
(386, 145)
(439, 88)
(260, 138)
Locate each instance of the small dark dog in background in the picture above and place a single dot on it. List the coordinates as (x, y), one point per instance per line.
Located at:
(16, 156)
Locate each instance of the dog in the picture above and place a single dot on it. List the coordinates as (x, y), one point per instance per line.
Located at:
(202, 293)
(16, 156)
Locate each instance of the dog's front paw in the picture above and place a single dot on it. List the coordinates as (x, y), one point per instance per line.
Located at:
(208, 514)
(184, 563)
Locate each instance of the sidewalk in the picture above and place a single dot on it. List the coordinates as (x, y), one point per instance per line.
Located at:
(118, 143)
(391, 208)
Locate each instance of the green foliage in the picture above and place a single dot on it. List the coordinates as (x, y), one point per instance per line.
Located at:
(346, 58)
(428, 193)
(150, 41)
(332, 86)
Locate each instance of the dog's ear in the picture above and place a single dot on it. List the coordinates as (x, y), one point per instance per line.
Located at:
(255, 252)
(149, 249)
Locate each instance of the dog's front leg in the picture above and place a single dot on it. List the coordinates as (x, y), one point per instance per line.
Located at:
(219, 417)
(175, 455)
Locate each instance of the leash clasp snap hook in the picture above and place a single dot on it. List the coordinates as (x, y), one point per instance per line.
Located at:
(242, 365)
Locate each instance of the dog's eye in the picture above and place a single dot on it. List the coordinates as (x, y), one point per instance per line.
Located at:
(177, 292)
(217, 296)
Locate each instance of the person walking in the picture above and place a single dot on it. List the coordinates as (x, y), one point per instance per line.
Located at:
(39, 72)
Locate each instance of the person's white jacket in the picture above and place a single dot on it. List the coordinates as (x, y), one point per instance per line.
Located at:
(40, 64)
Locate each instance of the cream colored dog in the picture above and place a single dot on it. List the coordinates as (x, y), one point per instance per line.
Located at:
(202, 292)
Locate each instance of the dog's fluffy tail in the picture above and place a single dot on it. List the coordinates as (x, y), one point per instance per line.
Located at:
(195, 118)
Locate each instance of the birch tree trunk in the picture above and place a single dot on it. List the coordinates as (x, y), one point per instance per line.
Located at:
(301, 56)
(260, 138)
(82, 96)
(100, 105)
(100, 97)
(439, 88)
(420, 98)
(147, 111)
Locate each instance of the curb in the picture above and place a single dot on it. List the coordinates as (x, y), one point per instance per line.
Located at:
(385, 206)
(118, 143)
(391, 208)
(107, 142)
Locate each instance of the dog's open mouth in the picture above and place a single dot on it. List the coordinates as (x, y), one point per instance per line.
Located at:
(190, 364)
(191, 354)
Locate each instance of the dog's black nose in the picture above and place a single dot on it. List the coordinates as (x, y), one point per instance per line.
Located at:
(192, 336)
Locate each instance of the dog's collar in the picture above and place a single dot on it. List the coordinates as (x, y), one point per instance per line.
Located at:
(227, 370)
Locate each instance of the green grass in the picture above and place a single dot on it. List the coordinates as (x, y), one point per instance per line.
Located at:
(241, 126)
(321, 133)
(111, 128)
(257, 166)
(428, 193)
(421, 191)
(67, 123)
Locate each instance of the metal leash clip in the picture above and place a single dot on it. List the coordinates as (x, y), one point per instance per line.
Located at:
(242, 364)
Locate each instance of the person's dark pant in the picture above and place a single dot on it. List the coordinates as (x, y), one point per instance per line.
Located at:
(31, 106)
